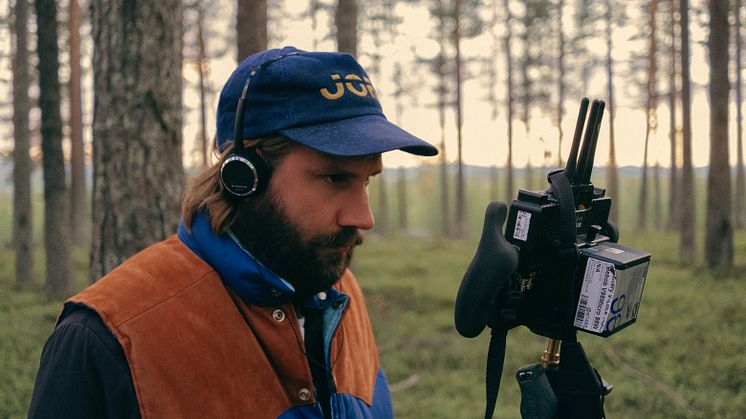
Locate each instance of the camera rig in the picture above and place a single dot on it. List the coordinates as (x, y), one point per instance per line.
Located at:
(556, 269)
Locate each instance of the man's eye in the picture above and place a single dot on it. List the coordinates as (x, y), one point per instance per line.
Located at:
(335, 178)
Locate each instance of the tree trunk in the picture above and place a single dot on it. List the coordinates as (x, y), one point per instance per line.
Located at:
(739, 207)
(719, 230)
(509, 194)
(202, 68)
(687, 243)
(137, 121)
(56, 198)
(493, 97)
(313, 9)
(460, 224)
(560, 81)
(402, 191)
(346, 21)
(251, 27)
(673, 184)
(77, 151)
(526, 82)
(642, 203)
(445, 213)
(612, 180)
(650, 112)
(23, 243)
(657, 196)
(382, 215)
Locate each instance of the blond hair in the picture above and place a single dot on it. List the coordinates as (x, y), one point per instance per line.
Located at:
(206, 192)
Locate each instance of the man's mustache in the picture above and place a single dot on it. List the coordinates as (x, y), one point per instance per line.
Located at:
(348, 236)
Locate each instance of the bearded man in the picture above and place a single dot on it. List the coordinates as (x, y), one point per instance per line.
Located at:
(250, 311)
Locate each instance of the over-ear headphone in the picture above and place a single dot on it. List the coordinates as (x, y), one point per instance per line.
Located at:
(245, 172)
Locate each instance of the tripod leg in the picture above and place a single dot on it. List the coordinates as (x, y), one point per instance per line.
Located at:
(578, 386)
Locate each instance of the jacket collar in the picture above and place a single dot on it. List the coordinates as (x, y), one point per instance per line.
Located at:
(237, 267)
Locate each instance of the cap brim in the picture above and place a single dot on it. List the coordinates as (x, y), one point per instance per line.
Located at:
(359, 136)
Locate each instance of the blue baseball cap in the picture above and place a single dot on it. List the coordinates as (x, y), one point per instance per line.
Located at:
(323, 100)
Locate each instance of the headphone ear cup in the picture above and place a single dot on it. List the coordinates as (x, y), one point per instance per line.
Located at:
(244, 175)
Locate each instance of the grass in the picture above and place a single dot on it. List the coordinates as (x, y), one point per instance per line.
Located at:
(683, 359)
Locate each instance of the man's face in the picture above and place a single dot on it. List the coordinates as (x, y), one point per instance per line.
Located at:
(307, 224)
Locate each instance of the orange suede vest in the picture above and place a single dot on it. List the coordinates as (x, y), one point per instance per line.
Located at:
(195, 350)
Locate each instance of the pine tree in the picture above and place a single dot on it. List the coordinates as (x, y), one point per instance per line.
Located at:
(719, 229)
(137, 128)
(346, 21)
(22, 166)
(739, 208)
(56, 197)
(687, 246)
(251, 27)
(78, 201)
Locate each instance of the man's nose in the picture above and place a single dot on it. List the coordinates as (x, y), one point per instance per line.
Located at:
(356, 212)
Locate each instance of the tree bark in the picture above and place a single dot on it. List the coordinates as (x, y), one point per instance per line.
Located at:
(56, 198)
(650, 112)
(740, 204)
(251, 27)
(657, 196)
(509, 194)
(560, 81)
(202, 63)
(137, 121)
(382, 214)
(612, 179)
(77, 152)
(493, 97)
(403, 207)
(445, 213)
(526, 98)
(719, 230)
(313, 8)
(346, 21)
(23, 243)
(687, 246)
(460, 222)
(673, 194)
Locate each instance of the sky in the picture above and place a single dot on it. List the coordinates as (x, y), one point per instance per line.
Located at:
(484, 138)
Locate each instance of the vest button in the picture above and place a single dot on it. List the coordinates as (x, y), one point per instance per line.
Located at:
(278, 315)
(321, 295)
(304, 394)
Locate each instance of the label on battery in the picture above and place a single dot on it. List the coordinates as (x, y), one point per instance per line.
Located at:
(522, 223)
(596, 296)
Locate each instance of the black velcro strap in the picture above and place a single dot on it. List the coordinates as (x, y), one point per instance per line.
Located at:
(495, 362)
(562, 190)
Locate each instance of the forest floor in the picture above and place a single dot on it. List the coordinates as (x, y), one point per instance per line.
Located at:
(683, 358)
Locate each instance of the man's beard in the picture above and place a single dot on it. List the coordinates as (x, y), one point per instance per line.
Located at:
(311, 266)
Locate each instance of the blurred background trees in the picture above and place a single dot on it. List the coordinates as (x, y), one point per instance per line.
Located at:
(103, 100)
(56, 198)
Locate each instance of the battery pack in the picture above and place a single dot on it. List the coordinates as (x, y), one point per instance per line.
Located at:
(611, 279)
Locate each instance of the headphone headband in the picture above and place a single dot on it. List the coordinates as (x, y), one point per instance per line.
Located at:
(244, 173)
(239, 120)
